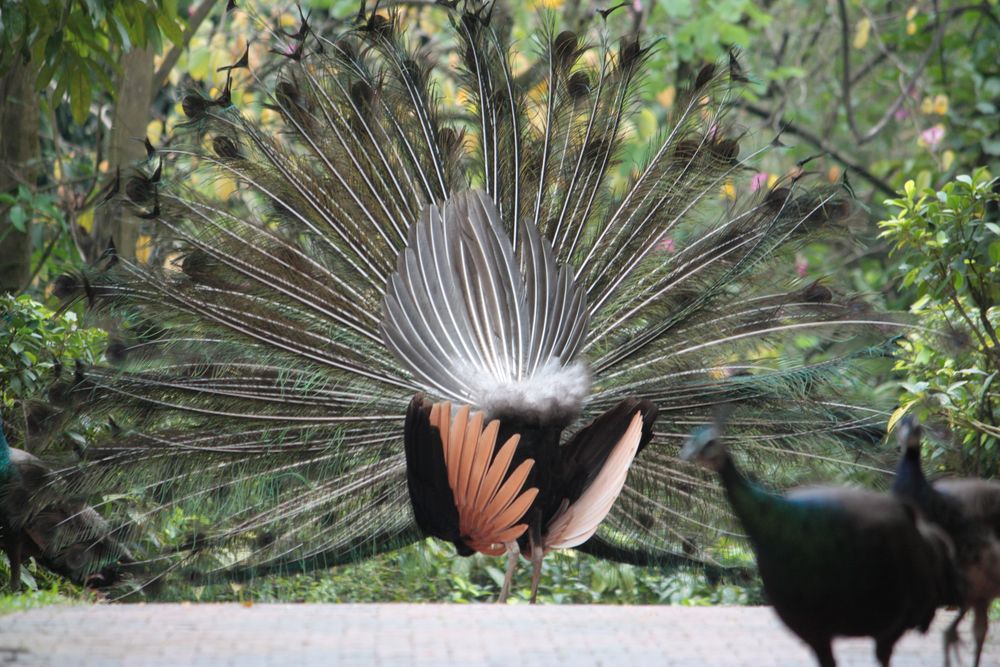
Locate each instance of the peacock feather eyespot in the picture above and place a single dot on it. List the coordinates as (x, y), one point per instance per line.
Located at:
(564, 49)
(226, 148)
(195, 106)
(65, 286)
(705, 76)
(116, 352)
(578, 85)
(727, 150)
(381, 243)
(140, 189)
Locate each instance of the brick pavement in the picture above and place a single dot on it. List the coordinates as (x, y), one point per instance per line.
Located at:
(393, 635)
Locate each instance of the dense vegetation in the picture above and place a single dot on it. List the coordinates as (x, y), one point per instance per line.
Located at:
(903, 99)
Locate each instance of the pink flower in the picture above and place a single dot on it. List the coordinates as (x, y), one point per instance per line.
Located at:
(901, 114)
(759, 180)
(801, 266)
(666, 244)
(932, 136)
(637, 6)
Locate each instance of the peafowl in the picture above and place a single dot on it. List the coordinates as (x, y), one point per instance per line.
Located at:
(68, 538)
(969, 511)
(837, 561)
(384, 332)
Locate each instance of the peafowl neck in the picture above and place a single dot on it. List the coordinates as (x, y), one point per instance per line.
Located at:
(910, 482)
(762, 513)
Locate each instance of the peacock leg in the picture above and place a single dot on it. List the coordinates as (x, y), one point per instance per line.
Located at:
(980, 625)
(537, 554)
(824, 653)
(883, 649)
(12, 547)
(952, 641)
(513, 553)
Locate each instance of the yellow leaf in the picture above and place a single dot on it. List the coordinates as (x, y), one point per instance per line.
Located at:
(143, 247)
(103, 166)
(941, 104)
(833, 175)
(861, 32)
(911, 28)
(647, 124)
(772, 180)
(86, 219)
(224, 188)
(898, 414)
(154, 131)
(947, 159)
(199, 66)
(667, 96)
(927, 106)
(911, 12)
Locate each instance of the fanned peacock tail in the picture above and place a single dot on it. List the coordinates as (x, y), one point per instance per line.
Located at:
(258, 412)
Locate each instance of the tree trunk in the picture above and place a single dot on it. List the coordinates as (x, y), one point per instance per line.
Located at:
(19, 162)
(128, 127)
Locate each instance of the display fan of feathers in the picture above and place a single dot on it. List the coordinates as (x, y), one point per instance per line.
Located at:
(407, 323)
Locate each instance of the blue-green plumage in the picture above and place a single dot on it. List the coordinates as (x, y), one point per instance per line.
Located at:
(968, 511)
(65, 536)
(837, 561)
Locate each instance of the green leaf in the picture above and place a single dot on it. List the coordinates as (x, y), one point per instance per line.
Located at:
(79, 97)
(18, 218)
(170, 28)
(994, 252)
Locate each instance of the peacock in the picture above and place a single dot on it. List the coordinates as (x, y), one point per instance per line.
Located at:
(469, 321)
(838, 561)
(968, 510)
(68, 537)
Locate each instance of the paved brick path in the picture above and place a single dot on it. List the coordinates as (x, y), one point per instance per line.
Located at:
(395, 635)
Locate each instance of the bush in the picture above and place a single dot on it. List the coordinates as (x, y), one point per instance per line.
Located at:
(429, 571)
(37, 347)
(948, 244)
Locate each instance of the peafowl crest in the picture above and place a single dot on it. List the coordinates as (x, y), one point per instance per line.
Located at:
(333, 361)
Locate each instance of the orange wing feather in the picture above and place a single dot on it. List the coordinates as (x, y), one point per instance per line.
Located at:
(490, 502)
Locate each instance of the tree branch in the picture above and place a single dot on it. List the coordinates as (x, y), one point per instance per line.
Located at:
(792, 128)
(845, 56)
(200, 14)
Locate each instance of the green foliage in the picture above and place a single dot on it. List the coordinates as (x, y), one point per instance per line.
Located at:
(39, 588)
(948, 244)
(77, 44)
(430, 572)
(42, 597)
(33, 340)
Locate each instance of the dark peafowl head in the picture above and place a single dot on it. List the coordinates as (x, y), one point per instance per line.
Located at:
(908, 434)
(705, 448)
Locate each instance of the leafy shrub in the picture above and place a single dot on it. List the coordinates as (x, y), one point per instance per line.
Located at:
(948, 244)
(429, 572)
(37, 348)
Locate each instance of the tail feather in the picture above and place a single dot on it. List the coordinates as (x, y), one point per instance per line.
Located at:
(262, 415)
